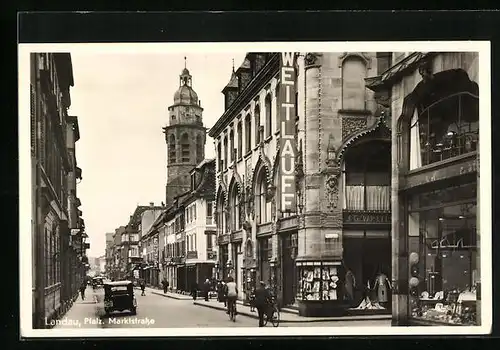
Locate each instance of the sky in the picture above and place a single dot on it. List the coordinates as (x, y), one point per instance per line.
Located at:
(121, 101)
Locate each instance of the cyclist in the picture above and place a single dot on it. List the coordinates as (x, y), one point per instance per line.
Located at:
(262, 302)
(232, 294)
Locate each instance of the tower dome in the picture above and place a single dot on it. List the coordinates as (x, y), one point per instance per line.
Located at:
(185, 95)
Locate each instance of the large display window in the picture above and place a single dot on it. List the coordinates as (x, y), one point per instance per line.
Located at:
(444, 273)
(318, 281)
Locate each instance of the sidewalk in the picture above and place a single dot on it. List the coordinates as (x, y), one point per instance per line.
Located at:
(171, 295)
(290, 316)
(81, 315)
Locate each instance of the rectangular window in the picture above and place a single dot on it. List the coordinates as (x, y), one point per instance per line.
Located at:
(209, 242)
(447, 270)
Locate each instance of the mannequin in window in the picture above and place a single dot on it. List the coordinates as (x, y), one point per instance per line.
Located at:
(383, 287)
(349, 285)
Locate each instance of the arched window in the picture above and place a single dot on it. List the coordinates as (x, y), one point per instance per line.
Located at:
(261, 200)
(269, 116)
(240, 140)
(445, 122)
(367, 176)
(199, 149)
(231, 146)
(235, 208)
(219, 157)
(171, 150)
(185, 148)
(248, 133)
(353, 83)
(225, 153)
(257, 124)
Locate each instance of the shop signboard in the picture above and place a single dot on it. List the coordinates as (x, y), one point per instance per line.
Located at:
(288, 145)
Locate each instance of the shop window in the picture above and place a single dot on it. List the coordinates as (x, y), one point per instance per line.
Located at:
(240, 140)
(443, 258)
(185, 148)
(248, 133)
(265, 253)
(257, 124)
(366, 175)
(446, 128)
(317, 281)
(269, 116)
(353, 83)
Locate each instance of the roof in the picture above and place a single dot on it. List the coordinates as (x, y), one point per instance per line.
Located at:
(118, 283)
(185, 95)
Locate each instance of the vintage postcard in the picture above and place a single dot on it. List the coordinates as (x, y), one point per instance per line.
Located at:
(242, 189)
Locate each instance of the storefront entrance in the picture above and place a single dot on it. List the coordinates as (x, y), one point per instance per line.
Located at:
(367, 254)
(289, 252)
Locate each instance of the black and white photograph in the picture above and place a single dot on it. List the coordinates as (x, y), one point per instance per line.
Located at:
(245, 189)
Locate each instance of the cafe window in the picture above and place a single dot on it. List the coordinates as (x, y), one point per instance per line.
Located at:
(445, 121)
(444, 274)
(366, 175)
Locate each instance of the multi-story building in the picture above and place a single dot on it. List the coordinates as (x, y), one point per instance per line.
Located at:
(434, 102)
(147, 216)
(109, 253)
(118, 270)
(58, 237)
(296, 205)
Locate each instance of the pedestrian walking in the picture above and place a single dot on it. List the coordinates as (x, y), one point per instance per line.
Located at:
(165, 285)
(206, 288)
(143, 287)
(262, 298)
(83, 287)
(194, 290)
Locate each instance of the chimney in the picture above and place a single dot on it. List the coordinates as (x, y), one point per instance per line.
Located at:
(152, 204)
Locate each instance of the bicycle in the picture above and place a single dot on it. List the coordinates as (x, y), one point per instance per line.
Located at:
(272, 315)
(232, 311)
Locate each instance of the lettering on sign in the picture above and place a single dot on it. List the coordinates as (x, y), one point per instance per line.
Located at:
(288, 148)
(373, 218)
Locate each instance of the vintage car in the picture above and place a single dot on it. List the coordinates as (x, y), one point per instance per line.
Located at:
(97, 282)
(119, 296)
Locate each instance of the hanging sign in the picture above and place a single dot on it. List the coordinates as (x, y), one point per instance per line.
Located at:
(286, 105)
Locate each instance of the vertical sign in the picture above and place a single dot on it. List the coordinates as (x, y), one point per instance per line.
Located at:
(287, 126)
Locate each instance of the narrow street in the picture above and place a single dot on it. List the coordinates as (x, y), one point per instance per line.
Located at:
(156, 311)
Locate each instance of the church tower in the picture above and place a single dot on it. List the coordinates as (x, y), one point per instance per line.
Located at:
(185, 136)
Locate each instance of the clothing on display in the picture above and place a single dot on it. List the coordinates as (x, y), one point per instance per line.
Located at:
(318, 283)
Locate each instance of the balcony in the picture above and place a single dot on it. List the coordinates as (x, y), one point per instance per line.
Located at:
(368, 198)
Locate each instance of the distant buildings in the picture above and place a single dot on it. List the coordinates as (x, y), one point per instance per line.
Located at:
(58, 231)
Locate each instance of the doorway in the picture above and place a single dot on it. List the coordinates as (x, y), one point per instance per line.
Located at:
(289, 249)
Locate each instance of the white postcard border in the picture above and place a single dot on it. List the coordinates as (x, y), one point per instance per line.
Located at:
(25, 258)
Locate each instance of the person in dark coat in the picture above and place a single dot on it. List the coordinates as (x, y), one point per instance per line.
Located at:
(143, 287)
(83, 286)
(194, 290)
(262, 299)
(165, 285)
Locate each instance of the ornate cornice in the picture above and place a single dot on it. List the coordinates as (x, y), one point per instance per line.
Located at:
(381, 125)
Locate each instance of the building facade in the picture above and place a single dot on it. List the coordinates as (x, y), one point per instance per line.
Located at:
(58, 231)
(434, 99)
(295, 206)
(109, 253)
(117, 269)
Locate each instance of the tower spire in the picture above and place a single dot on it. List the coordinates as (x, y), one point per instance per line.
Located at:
(233, 65)
(185, 63)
